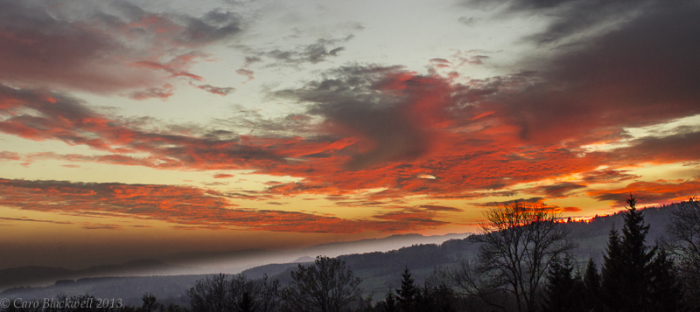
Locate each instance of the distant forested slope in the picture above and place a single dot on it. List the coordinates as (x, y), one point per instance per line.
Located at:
(379, 270)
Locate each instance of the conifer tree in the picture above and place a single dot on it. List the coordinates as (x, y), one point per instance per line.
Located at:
(637, 259)
(390, 302)
(407, 293)
(612, 273)
(564, 291)
(627, 272)
(591, 284)
(666, 292)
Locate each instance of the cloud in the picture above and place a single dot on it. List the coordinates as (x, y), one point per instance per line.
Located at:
(38, 115)
(557, 190)
(423, 216)
(387, 128)
(567, 17)
(639, 73)
(391, 109)
(110, 47)
(246, 73)
(527, 201)
(9, 156)
(312, 53)
(95, 226)
(162, 93)
(649, 193)
(608, 176)
(216, 90)
(668, 149)
(223, 176)
(440, 208)
(182, 206)
(35, 220)
(468, 21)
(571, 209)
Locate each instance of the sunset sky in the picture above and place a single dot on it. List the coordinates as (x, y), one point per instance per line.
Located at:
(132, 129)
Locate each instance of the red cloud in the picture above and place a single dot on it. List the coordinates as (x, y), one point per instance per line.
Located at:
(9, 156)
(222, 176)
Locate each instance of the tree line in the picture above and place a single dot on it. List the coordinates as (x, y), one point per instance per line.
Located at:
(523, 264)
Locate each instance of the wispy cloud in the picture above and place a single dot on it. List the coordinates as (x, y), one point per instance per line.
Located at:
(183, 206)
(110, 47)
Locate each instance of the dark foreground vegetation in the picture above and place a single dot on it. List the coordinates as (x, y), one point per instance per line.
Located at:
(524, 263)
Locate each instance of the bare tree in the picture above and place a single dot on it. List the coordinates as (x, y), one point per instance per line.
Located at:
(518, 245)
(210, 294)
(268, 294)
(326, 286)
(685, 229)
(218, 293)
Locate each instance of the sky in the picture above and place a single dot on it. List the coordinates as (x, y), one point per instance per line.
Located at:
(133, 129)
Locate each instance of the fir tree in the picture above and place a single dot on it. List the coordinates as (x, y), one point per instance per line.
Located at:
(390, 302)
(564, 291)
(629, 269)
(612, 273)
(666, 292)
(637, 259)
(591, 284)
(407, 293)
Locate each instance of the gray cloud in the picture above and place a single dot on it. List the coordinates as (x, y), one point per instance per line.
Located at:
(353, 101)
(94, 46)
(643, 72)
(558, 190)
(567, 17)
(313, 53)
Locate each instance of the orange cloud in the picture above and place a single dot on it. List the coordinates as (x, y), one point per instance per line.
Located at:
(185, 206)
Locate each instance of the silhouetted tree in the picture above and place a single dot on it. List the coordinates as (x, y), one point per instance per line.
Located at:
(407, 293)
(685, 230)
(437, 298)
(247, 304)
(150, 303)
(518, 246)
(269, 294)
(326, 286)
(667, 292)
(635, 277)
(564, 290)
(637, 259)
(390, 302)
(218, 293)
(591, 283)
(612, 273)
(210, 295)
